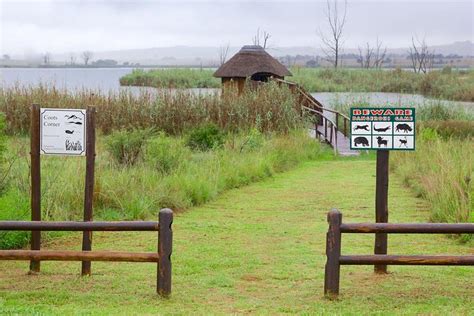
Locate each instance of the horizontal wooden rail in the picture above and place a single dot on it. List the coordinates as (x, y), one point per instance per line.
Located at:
(409, 228)
(79, 226)
(162, 257)
(408, 260)
(335, 259)
(49, 255)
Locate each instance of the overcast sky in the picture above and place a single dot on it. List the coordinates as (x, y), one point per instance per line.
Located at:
(73, 25)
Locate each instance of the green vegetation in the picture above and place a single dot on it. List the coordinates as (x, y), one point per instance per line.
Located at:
(456, 85)
(440, 171)
(269, 109)
(450, 85)
(258, 250)
(138, 173)
(171, 78)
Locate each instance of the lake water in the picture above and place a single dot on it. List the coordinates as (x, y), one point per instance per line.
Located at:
(107, 79)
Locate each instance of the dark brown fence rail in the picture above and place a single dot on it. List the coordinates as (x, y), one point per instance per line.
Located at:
(335, 260)
(162, 257)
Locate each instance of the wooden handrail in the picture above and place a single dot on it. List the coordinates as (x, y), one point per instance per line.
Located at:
(79, 226)
(316, 103)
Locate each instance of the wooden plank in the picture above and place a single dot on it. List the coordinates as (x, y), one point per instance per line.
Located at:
(79, 226)
(165, 248)
(49, 255)
(35, 181)
(381, 205)
(333, 252)
(408, 228)
(89, 185)
(408, 260)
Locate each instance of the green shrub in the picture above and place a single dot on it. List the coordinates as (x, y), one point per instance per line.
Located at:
(206, 137)
(126, 147)
(166, 153)
(14, 206)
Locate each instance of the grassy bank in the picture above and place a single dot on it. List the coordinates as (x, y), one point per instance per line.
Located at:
(258, 250)
(164, 173)
(443, 84)
(269, 109)
(450, 85)
(171, 78)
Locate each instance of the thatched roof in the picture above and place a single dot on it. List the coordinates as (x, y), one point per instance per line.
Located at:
(251, 59)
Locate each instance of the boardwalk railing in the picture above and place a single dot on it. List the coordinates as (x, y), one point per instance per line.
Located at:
(307, 100)
(162, 257)
(329, 128)
(335, 259)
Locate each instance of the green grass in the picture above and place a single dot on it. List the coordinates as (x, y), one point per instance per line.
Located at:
(171, 78)
(455, 85)
(260, 250)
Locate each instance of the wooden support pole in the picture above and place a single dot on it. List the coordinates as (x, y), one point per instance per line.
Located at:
(333, 252)
(381, 206)
(165, 245)
(35, 181)
(89, 185)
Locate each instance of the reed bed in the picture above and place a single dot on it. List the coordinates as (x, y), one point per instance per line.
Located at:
(270, 108)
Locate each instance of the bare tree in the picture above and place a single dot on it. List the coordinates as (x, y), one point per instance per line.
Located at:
(261, 39)
(72, 59)
(379, 57)
(47, 58)
(86, 56)
(372, 57)
(223, 51)
(365, 57)
(421, 56)
(332, 42)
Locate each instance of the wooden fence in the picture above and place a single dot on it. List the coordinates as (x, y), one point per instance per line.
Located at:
(162, 257)
(335, 259)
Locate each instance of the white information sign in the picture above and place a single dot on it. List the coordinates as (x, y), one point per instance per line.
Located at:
(63, 132)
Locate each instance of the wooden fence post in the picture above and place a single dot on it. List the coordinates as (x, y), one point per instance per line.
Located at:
(165, 244)
(89, 185)
(333, 253)
(35, 181)
(381, 206)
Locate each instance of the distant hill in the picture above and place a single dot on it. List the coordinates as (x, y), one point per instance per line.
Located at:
(209, 56)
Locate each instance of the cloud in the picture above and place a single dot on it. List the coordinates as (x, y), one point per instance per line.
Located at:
(63, 26)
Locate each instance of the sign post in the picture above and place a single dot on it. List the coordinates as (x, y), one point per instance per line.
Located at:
(35, 182)
(66, 132)
(382, 129)
(89, 186)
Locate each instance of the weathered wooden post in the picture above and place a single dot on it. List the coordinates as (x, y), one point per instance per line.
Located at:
(333, 252)
(165, 244)
(89, 185)
(381, 206)
(35, 181)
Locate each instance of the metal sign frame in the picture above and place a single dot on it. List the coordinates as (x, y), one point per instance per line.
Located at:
(396, 129)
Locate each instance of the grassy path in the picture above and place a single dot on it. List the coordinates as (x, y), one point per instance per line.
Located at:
(259, 249)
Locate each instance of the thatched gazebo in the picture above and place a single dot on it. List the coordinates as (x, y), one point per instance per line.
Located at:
(251, 62)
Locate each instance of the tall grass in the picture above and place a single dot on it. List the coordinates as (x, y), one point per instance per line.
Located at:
(270, 108)
(171, 78)
(442, 172)
(454, 85)
(177, 180)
